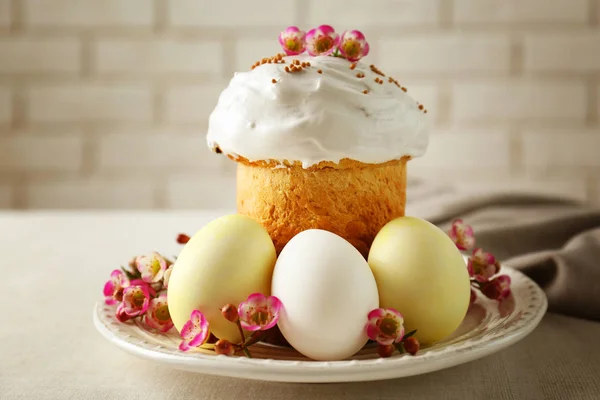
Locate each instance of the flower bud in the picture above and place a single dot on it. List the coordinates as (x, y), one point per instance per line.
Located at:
(230, 312)
(411, 345)
(182, 238)
(224, 347)
(121, 315)
(385, 350)
(498, 288)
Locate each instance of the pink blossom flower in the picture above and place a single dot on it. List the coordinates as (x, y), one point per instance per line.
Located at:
(353, 45)
(152, 267)
(386, 326)
(462, 235)
(259, 312)
(195, 331)
(292, 41)
(146, 286)
(482, 265)
(322, 40)
(113, 289)
(135, 300)
(498, 288)
(158, 316)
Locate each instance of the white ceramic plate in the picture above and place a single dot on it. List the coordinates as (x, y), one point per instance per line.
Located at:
(488, 327)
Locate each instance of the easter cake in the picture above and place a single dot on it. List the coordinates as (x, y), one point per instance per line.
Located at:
(321, 139)
(320, 256)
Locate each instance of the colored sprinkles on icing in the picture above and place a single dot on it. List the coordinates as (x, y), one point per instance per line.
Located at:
(323, 40)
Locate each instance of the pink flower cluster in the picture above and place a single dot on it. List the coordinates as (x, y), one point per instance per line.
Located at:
(322, 41)
(140, 291)
(386, 327)
(257, 313)
(482, 266)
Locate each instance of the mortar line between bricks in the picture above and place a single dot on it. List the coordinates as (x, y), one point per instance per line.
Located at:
(17, 16)
(87, 42)
(592, 190)
(593, 12)
(89, 153)
(517, 58)
(108, 78)
(228, 58)
(158, 104)
(446, 13)
(444, 107)
(161, 16)
(474, 77)
(19, 107)
(592, 85)
(515, 153)
(301, 12)
(160, 190)
(266, 32)
(19, 189)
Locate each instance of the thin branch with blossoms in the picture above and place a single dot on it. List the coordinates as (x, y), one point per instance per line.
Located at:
(139, 291)
(482, 266)
(386, 327)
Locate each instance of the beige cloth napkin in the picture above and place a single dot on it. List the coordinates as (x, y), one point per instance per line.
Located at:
(554, 241)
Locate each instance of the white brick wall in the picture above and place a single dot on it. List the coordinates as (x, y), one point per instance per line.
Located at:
(565, 188)
(88, 13)
(248, 51)
(518, 11)
(196, 192)
(157, 153)
(427, 94)
(192, 103)
(445, 53)
(453, 150)
(573, 52)
(231, 15)
(22, 55)
(570, 148)
(514, 100)
(91, 193)
(358, 14)
(100, 99)
(39, 153)
(90, 102)
(5, 106)
(157, 56)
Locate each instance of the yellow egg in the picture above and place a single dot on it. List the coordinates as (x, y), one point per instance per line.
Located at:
(224, 262)
(420, 272)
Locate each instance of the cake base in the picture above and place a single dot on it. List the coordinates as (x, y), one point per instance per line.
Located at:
(351, 199)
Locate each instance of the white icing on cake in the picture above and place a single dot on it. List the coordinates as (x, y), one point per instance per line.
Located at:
(312, 117)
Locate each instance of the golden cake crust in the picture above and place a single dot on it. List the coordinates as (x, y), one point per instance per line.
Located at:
(349, 198)
(345, 163)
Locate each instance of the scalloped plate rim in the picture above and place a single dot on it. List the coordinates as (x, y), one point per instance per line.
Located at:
(331, 371)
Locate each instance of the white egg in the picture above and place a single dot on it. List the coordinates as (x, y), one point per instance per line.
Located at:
(327, 290)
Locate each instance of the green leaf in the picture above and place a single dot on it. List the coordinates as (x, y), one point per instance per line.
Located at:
(399, 347)
(256, 337)
(247, 352)
(409, 334)
(129, 275)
